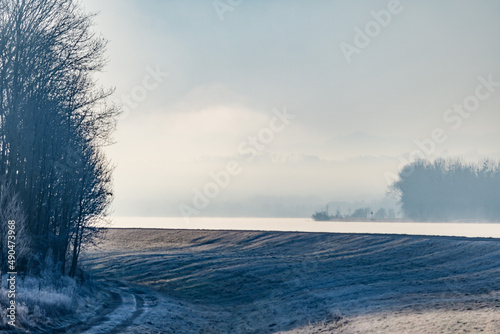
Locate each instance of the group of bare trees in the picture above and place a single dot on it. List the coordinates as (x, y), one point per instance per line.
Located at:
(445, 190)
(54, 120)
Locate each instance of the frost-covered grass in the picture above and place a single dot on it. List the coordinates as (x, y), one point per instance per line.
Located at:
(42, 302)
(275, 282)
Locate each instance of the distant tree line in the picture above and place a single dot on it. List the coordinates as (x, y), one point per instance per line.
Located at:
(53, 122)
(444, 190)
(363, 213)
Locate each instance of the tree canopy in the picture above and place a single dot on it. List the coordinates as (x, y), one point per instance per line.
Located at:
(444, 190)
(54, 119)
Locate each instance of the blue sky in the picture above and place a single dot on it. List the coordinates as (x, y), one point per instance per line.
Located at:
(354, 121)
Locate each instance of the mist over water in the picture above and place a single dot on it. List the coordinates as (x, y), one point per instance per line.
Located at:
(356, 117)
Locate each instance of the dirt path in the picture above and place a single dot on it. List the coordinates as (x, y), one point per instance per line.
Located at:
(124, 306)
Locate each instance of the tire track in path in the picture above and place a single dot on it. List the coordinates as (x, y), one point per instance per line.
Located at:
(124, 306)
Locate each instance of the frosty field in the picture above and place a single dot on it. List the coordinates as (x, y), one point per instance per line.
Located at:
(193, 281)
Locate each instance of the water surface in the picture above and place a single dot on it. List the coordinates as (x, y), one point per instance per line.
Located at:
(486, 230)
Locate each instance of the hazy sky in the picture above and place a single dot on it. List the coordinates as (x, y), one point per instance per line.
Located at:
(363, 81)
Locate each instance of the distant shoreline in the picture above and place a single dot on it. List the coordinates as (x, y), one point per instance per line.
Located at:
(403, 220)
(364, 220)
(460, 229)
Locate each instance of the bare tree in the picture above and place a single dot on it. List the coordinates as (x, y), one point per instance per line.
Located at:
(53, 121)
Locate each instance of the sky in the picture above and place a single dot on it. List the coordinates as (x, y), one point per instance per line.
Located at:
(275, 108)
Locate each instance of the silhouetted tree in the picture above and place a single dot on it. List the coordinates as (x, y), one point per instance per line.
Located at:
(322, 215)
(380, 214)
(361, 213)
(449, 190)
